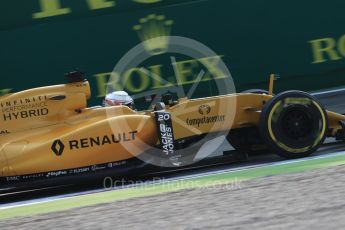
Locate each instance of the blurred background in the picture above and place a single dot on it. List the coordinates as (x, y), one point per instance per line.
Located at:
(42, 39)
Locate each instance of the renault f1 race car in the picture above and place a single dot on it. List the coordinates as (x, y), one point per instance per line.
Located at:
(49, 133)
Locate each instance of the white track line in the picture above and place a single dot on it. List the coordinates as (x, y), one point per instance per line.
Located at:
(175, 179)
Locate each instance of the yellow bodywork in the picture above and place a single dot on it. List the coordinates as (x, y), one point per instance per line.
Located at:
(36, 121)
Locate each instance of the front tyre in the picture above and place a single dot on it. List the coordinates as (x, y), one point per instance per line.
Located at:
(293, 124)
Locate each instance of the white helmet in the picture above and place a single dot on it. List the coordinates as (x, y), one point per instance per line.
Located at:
(118, 98)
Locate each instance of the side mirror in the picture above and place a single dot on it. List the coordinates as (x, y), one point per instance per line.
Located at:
(168, 99)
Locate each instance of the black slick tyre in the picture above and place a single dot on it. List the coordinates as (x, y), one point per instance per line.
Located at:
(293, 124)
(256, 91)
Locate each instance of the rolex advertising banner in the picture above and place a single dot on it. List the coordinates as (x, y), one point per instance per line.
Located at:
(150, 45)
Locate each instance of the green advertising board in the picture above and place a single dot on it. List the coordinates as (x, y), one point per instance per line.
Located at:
(304, 42)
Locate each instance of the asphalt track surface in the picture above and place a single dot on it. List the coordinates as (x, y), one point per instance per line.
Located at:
(332, 100)
(302, 201)
(37, 196)
(308, 200)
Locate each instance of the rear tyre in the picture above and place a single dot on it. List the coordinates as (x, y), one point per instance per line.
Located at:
(293, 124)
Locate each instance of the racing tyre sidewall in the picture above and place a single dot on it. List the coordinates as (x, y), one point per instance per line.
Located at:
(293, 124)
(256, 91)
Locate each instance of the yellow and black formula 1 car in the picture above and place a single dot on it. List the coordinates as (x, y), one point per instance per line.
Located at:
(49, 132)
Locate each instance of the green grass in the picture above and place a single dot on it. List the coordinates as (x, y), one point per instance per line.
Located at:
(230, 178)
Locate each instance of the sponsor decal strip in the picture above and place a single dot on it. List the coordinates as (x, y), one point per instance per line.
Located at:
(166, 137)
(102, 140)
(205, 120)
(61, 173)
(24, 108)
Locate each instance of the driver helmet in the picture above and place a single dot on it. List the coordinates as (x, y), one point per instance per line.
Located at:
(118, 98)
